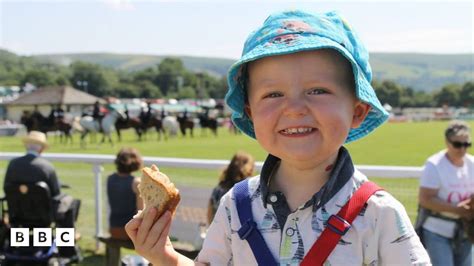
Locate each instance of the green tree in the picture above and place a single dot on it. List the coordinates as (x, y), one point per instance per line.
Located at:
(220, 88)
(126, 90)
(169, 70)
(38, 77)
(186, 93)
(99, 81)
(467, 94)
(423, 99)
(149, 74)
(449, 95)
(148, 90)
(388, 92)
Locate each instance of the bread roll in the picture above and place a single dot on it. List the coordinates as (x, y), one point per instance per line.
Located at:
(157, 191)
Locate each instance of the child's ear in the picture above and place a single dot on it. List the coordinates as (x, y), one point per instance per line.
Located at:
(247, 111)
(361, 110)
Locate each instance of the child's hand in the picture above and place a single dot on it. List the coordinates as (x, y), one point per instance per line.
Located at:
(151, 239)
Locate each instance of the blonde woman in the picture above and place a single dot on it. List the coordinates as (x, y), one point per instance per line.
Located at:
(240, 167)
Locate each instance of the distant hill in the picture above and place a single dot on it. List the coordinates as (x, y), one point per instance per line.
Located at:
(133, 62)
(425, 72)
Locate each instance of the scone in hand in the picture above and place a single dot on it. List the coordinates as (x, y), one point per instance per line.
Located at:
(157, 191)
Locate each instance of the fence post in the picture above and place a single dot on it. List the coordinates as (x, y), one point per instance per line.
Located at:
(98, 202)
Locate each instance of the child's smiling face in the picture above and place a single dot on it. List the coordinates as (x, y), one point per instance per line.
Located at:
(303, 105)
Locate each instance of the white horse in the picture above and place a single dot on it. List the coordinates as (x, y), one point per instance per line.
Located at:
(108, 125)
(170, 126)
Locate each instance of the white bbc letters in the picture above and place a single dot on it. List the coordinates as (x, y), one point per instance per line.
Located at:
(65, 237)
(19, 237)
(42, 237)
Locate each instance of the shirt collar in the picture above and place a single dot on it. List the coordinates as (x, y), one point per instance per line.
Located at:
(342, 171)
(34, 153)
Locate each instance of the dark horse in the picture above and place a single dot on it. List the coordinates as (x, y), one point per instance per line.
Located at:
(36, 121)
(141, 127)
(127, 123)
(207, 122)
(185, 124)
(157, 123)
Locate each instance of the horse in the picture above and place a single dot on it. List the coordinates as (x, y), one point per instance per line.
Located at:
(170, 126)
(108, 125)
(36, 121)
(157, 123)
(184, 124)
(127, 123)
(208, 122)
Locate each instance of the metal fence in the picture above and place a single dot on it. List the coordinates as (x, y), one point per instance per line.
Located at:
(194, 200)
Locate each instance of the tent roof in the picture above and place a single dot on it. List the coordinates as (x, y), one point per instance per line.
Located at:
(56, 95)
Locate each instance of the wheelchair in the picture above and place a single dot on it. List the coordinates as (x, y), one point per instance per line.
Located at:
(30, 206)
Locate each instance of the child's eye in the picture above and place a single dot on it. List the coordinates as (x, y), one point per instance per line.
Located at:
(273, 95)
(317, 91)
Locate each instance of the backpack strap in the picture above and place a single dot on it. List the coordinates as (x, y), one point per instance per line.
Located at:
(338, 225)
(249, 230)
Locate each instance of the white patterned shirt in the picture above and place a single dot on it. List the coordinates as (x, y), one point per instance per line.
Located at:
(382, 234)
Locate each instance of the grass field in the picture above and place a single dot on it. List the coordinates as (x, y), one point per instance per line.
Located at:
(406, 144)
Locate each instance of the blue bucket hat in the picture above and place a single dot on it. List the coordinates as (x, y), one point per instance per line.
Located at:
(296, 31)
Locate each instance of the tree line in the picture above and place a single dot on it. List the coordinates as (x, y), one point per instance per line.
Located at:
(170, 79)
(457, 95)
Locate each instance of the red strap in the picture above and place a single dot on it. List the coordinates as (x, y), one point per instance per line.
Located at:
(338, 225)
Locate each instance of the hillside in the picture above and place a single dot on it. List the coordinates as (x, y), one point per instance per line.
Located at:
(425, 72)
(128, 62)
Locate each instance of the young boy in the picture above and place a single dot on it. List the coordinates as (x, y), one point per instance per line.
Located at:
(301, 89)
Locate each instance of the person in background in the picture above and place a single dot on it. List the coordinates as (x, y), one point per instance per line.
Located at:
(240, 167)
(446, 185)
(32, 168)
(122, 192)
(163, 113)
(97, 114)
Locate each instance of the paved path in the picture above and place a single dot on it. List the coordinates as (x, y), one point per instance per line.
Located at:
(191, 211)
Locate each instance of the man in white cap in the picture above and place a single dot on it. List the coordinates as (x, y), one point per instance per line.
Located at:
(32, 168)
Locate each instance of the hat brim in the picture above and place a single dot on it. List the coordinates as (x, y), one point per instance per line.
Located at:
(235, 97)
(28, 140)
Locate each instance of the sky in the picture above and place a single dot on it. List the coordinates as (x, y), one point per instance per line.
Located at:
(219, 28)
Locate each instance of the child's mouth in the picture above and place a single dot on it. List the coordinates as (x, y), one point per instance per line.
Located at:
(297, 131)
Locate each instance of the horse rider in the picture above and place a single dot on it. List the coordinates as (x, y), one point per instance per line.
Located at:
(52, 116)
(97, 114)
(59, 113)
(56, 115)
(146, 116)
(127, 115)
(185, 114)
(163, 113)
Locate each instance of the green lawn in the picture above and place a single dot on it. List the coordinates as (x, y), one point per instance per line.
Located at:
(393, 144)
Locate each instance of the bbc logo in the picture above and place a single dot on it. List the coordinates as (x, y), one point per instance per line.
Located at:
(42, 237)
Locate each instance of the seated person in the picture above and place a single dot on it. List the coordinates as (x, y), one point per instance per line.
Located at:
(122, 192)
(32, 168)
(240, 167)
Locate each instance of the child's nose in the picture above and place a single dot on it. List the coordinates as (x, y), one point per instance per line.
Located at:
(296, 107)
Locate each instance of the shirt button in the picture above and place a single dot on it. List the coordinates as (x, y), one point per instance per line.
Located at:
(290, 231)
(273, 198)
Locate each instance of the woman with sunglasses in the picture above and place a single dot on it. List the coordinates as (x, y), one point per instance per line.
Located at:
(446, 185)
